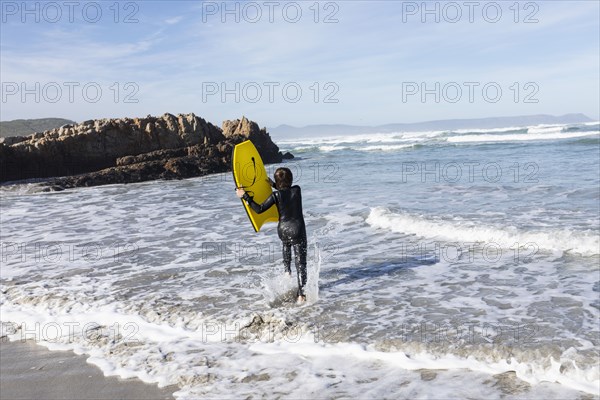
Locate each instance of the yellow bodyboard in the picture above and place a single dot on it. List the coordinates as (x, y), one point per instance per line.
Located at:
(250, 174)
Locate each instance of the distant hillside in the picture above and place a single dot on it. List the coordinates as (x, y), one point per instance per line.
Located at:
(24, 127)
(441, 125)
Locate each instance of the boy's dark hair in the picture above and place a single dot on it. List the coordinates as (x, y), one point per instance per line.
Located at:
(283, 178)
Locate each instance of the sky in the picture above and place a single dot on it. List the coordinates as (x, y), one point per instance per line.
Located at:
(299, 63)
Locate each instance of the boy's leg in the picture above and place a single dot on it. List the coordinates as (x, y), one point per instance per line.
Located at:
(300, 259)
(287, 257)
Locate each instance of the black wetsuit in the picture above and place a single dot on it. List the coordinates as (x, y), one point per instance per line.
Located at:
(291, 228)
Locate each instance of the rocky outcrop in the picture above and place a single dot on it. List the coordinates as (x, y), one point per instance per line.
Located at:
(10, 140)
(244, 129)
(180, 163)
(125, 150)
(94, 145)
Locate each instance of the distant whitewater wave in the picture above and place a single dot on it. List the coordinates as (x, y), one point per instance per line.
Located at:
(549, 135)
(546, 128)
(587, 243)
(493, 130)
(530, 133)
(364, 139)
(381, 147)
(401, 140)
(388, 147)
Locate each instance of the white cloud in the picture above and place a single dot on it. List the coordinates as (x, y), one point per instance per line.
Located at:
(173, 20)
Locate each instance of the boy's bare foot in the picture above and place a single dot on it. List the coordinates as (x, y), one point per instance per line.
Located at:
(301, 299)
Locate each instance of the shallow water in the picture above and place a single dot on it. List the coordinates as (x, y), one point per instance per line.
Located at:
(467, 260)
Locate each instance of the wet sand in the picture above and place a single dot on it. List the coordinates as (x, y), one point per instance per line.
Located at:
(29, 371)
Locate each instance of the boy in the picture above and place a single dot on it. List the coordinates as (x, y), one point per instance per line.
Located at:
(291, 228)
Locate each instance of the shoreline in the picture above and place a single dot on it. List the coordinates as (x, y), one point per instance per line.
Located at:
(31, 371)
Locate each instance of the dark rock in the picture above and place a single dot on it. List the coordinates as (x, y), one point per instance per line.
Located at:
(10, 140)
(108, 151)
(152, 156)
(53, 188)
(287, 156)
(244, 129)
(94, 145)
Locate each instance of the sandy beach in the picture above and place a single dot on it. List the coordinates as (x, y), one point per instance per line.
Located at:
(30, 371)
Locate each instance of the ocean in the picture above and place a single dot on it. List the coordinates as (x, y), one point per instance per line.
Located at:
(444, 264)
